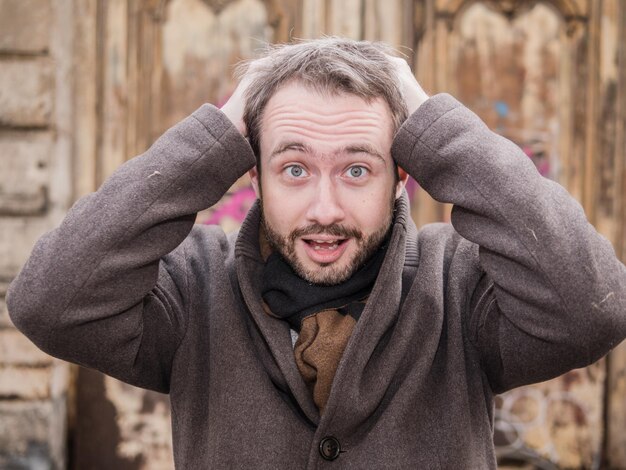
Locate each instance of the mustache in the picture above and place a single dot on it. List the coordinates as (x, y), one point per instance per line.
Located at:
(335, 230)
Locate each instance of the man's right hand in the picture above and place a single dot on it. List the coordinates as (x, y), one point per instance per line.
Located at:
(233, 108)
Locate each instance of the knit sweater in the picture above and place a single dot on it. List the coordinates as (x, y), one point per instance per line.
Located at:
(520, 288)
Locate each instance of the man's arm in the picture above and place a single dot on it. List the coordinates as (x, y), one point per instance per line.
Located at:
(99, 290)
(553, 294)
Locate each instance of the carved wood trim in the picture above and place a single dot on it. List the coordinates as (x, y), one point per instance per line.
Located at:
(156, 9)
(217, 5)
(569, 10)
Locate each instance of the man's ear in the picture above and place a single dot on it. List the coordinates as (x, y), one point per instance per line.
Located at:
(254, 179)
(403, 177)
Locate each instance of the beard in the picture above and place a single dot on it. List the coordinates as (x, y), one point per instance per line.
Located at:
(327, 273)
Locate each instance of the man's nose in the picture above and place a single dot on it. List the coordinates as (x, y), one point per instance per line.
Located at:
(325, 207)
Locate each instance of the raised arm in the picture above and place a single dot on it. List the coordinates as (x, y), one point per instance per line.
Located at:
(553, 294)
(104, 289)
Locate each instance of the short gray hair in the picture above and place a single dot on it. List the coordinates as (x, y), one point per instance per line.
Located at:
(329, 65)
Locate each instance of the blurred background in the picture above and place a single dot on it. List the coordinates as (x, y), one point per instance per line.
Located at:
(88, 84)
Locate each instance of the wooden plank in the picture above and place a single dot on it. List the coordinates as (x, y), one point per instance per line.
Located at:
(346, 18)
(383, 21)
(607, 168)
(576, 165)
(424, 45)
(620, 135)
(134, 84)
(313, 18)
(565, 111)
(615, 415)
(615, 446)
(591, 122)
(114, 88)
(85, 99)
(285, 18)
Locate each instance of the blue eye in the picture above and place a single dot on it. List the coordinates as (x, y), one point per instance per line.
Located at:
(295, 171)
(356, 171)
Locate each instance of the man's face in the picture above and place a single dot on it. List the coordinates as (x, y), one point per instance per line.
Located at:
(328, 181)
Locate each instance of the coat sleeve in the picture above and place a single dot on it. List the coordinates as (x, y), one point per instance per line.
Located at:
(102, 289)
(552, 296)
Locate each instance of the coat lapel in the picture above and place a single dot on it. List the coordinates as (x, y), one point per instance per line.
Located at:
(369, 333)
(368, 358)
(273, 333)
(384, 337)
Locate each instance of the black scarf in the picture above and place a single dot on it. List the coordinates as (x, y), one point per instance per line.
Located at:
(291, 298)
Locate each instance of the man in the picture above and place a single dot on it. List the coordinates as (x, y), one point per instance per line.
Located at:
(328, 331)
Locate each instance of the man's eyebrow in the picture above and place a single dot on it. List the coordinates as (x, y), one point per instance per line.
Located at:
(350, 149)
(364, 148)
(299, 146)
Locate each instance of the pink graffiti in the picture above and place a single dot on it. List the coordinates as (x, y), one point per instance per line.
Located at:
(235, 208)
(542, 164)
(221, 101)
(411, 188)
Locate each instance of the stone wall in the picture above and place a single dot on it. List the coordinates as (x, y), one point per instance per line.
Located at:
(34, 181)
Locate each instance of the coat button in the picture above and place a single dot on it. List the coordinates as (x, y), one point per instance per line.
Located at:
(330, 448)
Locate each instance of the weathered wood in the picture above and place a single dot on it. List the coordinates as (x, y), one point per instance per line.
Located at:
(615, 448)
(564, 113)
(520, 71)
(346, 18)
(314, 18)
(200, 49)
(285, 18)
(576, 158)
(606, 167)
(383, 21)
(114, 92)
(620, 136)
(85, 120)
(615, 427)
(591, 124)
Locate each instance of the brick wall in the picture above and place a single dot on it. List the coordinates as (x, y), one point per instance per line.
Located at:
(33, 149)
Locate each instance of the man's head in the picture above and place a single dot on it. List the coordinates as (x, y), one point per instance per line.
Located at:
(330, 66)
(321, 117)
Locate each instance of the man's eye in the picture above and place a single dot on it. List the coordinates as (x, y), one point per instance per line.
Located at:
(356, 171)
(295, 171)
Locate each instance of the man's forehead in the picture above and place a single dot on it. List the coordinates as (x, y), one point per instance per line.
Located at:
(296, 103)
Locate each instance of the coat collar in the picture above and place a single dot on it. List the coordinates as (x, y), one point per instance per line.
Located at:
(272, 336)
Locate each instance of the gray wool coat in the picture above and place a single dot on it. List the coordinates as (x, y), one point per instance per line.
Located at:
(519, 289)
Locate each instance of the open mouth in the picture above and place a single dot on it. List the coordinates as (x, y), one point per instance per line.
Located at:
(324, 245)
(325, 250)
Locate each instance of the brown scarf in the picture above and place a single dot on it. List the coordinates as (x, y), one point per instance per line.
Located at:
(324, 316)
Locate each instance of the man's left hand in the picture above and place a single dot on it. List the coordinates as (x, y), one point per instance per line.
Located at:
(413, 93)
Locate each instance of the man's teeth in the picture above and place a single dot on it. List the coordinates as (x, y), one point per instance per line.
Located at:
(325, 245)
(328, 247)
